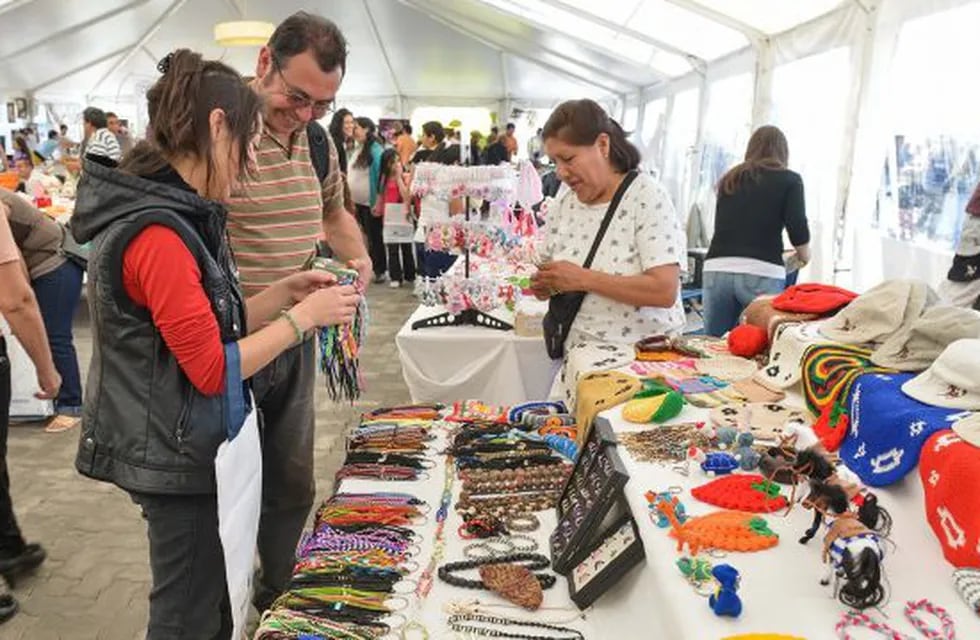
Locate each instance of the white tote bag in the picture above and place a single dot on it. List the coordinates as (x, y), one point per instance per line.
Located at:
(398, 229)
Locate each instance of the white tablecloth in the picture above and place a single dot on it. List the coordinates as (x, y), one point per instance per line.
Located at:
(780, 587)
(446, 364)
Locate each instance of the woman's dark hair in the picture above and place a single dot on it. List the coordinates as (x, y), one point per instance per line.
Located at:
(581, 122)
(434, 129)
(304, 31)
(767, 149)
(337, 133)
(364, 157)
(179, 105)
(95, 117)
(388, 159)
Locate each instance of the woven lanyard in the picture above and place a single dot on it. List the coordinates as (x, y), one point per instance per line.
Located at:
(948, 631)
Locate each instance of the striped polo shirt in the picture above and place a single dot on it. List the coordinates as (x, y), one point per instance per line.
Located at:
(275, 219)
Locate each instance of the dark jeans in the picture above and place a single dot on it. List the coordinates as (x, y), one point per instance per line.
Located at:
(401, 262)
(10, 536)
(58, 294)
(433, 264)
(373, 228)
(284, 393)
(189, 597)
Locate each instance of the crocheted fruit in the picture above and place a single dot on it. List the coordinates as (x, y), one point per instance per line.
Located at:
(743, 492)
(726, 530)
(654, 409)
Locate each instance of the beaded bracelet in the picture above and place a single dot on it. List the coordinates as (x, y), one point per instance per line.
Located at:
(457, 624)
(532, 561)
(523, 522)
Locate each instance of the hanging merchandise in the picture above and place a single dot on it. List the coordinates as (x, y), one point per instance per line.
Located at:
(341, 344)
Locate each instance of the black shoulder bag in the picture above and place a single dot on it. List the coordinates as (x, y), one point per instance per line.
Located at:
(563, 307)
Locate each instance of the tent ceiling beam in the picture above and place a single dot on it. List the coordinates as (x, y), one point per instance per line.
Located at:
(57, 35)
(156, 60)
(372, 23)
(16, 4)
(480, 26)
(504, 76)
(143, 39)
(750, 32)
(237, 7)
(81, 67)
(694, 60)
(469, 33)
(863, 7)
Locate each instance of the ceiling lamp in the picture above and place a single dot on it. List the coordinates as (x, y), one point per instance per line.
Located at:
(243, 33)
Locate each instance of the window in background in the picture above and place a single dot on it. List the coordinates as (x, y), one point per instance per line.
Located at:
(932, 161)
(808, 103)
(727, 126)
(652, 135)
(682, 131)
(629, 122)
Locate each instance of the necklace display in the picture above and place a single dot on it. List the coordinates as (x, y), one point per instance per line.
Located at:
(475, 624)
(668, 443)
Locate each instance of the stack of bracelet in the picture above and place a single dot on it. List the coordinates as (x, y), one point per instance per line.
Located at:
(506, 471)
(390, 444)
(343, 584)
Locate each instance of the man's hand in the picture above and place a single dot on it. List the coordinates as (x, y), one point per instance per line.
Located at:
(50, 382)
(363, 267)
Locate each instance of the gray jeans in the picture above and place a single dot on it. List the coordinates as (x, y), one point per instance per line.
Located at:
(189, 598)
(284, 393)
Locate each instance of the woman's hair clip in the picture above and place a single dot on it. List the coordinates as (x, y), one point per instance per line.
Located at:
(164, 65)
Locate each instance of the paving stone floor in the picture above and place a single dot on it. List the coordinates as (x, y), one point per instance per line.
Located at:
(95, 582)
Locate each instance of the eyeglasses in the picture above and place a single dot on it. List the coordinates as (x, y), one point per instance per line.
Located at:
(297, 97)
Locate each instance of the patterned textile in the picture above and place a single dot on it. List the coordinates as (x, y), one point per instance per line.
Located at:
(949, 472)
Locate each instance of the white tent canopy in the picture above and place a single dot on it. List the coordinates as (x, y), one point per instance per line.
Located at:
(861, 87)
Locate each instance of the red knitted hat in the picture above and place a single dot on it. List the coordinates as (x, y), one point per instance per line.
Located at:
(813, 297)
(747, 340)
(949, 468)
(742, 492)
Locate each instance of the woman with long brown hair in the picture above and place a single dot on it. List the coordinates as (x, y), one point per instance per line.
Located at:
(757, 200)
(175, 340)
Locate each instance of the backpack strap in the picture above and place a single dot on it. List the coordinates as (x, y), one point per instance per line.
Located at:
(319, 149)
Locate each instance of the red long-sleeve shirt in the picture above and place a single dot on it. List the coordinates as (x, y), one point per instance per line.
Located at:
(160, 274)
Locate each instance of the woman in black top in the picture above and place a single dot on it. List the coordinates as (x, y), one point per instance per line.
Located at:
(757, 199)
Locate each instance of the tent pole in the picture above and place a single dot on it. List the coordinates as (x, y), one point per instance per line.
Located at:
(381, 46)
(696, 7)
(81, 67)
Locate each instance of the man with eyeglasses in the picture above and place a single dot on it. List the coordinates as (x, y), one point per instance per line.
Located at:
(273, 225)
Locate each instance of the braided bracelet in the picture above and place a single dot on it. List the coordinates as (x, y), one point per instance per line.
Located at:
(948, 628)
(457, 624)
(531, 561)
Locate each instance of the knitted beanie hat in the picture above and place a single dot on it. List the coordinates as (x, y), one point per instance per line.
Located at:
(887, 429)
(949, 472)
(813, 297)
(784, 368)
(747, 340)
(953, 380)
(880, 312)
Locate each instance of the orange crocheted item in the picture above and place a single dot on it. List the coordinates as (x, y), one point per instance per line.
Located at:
(726, 530)
(660, 356)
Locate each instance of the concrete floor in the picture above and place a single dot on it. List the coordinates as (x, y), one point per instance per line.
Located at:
(95, 581)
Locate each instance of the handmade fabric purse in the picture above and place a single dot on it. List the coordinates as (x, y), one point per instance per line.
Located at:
(564, 307)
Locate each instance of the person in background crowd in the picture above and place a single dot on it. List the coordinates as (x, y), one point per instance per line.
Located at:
(22, 149)
(47, 148)
(32, 180)
(476, 147)
(117, 129)
(432, 210)
(496, 152)
(494, 135)
(274, 226)
(757, 200)
(535, 147)
(393, 189)
(342, 131)
(20, 309)
(64, 142)
(190, 337)
(633, 285)
(57, 284)
(25, 170)
(365, 170)
(510, 141)
(99, 141)
(404, 143)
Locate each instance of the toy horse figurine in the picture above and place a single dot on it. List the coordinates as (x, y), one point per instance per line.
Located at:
(854, 553)
(832, 488)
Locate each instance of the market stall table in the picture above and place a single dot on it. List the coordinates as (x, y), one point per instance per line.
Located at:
(780, 587)
(446, 364)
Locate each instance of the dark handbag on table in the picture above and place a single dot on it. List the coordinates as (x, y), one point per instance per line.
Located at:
(563, 307)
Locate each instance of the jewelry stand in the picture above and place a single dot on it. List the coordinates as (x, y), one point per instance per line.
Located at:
(472, 317)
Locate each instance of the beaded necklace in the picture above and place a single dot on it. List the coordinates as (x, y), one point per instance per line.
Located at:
(468, 623)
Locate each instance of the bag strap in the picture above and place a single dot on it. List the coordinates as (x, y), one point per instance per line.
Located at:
(613, 205)
(319, 149)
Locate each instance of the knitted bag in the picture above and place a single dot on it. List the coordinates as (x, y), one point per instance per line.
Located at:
(514, 582)
(764, 420)
(888, 429)
(949, 472)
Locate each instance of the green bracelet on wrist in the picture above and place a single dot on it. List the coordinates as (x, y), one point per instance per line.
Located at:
(292, 321)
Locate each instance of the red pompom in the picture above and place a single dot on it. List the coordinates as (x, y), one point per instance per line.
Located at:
(747, 340)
